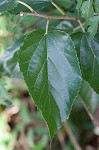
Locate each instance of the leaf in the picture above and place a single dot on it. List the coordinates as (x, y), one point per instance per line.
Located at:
(96, 6)
(94, 21)
(89, 58)
(8, 63)
(5, 99)
(79, 3)
(88, 54)
(65, 26)
(65, 3)
(87, 10)
(77, 37)
(35, 4)
(6, 5)
(51, 71)
(87, 94)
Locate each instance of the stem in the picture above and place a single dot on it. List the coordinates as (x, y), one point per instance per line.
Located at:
(72, 137)
(47, 24)
(58, 8)
(89, 113)
(96, 14)
(50, 17)
(26, 5)
(81, 25)
(61, 140)
(78, 27)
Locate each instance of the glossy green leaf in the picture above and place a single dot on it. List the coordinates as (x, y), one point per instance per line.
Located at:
(89, 58)
(88, 54)
(35, 4)
(87, 10)
(6, 5)
(51, 71)
(94, 21)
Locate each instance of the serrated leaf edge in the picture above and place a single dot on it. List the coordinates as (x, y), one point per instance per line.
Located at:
(29, 90)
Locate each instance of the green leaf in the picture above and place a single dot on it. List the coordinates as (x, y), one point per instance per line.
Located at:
(96, 6)
(65, 26)
(35, 4)
(77, 37)
(6, 5)
(5, 99)
(87, 95)
(65, 3)
(88, 54)
(89, 58)
(87, 10)
(94, 21)
(51, 71)
(79, 3)
(8, 63)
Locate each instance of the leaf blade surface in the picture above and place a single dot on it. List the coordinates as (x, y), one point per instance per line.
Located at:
(50, 68)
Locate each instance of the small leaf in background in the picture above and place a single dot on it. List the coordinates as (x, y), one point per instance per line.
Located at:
(87, 10)
(8, 63)
(94, 21)
(5, 98)
(87, 95)
(89, 58)
(51, 71)
(35, 4)
(65, 26)
(6, 5)
(96, 6)
(79, 3)
(65, 3)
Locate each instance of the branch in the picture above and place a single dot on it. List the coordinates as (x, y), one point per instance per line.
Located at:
(49, 16)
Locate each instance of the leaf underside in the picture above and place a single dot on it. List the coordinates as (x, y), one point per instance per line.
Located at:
(51, 71)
